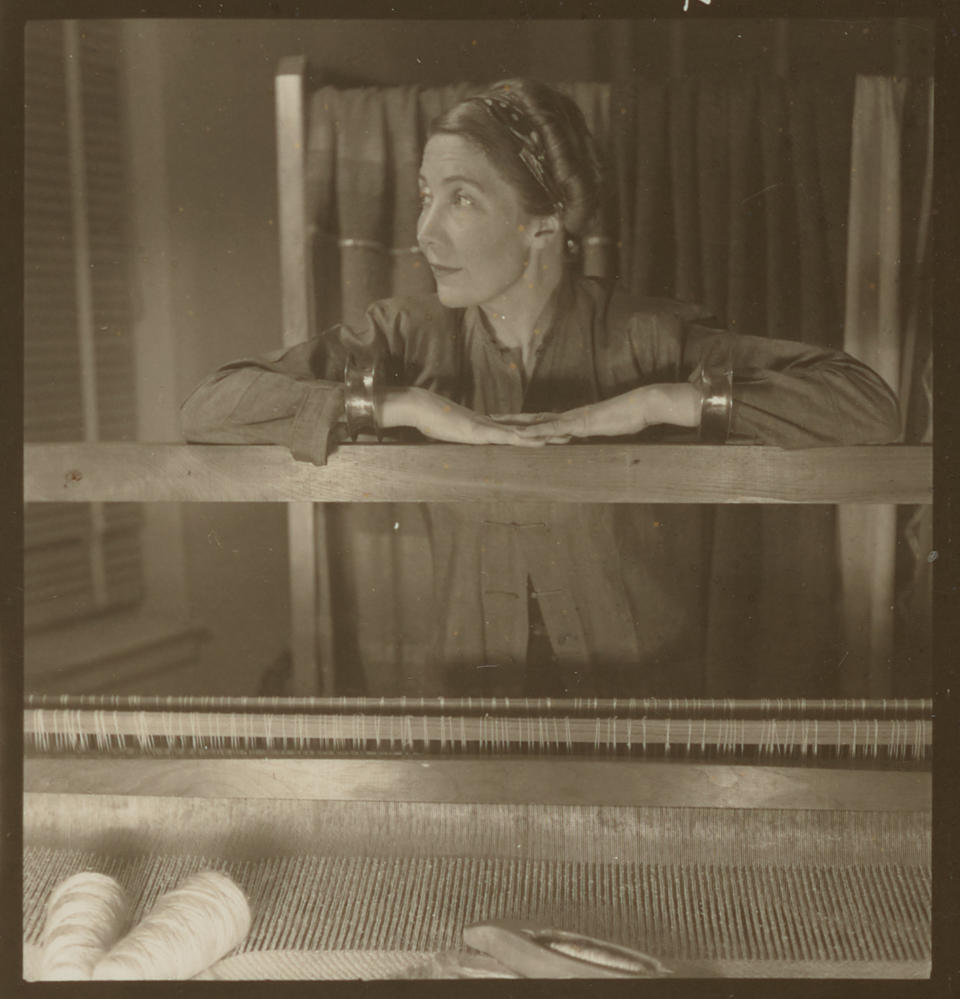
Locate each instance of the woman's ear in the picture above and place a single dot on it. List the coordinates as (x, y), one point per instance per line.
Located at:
(545, 228)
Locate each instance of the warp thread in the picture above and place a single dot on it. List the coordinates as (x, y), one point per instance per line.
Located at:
(86, 915)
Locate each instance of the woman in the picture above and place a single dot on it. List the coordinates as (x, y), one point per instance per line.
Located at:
(514, 349)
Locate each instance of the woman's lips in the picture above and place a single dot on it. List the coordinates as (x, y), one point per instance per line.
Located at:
(440, 271)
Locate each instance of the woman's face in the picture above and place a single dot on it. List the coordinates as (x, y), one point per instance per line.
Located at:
(472, 228)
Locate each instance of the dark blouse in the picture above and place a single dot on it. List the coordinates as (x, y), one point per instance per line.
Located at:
(609, 600)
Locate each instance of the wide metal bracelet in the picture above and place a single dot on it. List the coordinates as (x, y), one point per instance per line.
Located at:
(716, 404)
(363, 382)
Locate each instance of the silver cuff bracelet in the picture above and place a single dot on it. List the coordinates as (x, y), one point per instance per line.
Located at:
(363, 382)
(716, 404)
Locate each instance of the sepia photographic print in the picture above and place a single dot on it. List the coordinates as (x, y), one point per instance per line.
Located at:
(478, 482)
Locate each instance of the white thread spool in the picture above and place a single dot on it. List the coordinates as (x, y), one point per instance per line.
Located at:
(188, 929)
(86, 915)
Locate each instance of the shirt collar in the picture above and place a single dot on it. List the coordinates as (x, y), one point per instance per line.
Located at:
(474, 317)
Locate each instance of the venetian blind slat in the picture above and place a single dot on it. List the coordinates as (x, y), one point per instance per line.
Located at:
(53, 521)
(59, 546)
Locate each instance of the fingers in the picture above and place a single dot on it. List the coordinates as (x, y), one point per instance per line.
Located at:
(481, 434)
(474, 428)
(493, 433)
(519, 441)
(502, 435)
(546, 430)
(534, 440)
(522, 419)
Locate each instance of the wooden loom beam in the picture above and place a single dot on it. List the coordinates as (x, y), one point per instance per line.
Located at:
(446, 473)
(527, 781)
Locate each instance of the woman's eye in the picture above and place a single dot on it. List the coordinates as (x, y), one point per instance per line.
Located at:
(462, 199)
(423, 198)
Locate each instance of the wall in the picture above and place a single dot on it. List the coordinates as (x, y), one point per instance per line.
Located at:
(205, 87)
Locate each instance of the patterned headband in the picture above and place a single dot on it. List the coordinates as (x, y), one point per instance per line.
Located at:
(532, 154)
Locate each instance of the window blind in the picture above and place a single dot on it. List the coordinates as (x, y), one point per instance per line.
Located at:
(79, 559)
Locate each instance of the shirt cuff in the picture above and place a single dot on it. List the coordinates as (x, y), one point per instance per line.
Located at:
(319, 413)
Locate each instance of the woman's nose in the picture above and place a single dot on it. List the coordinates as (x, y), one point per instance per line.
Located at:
(427, 226)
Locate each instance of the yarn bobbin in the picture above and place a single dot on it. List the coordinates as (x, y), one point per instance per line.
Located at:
(86, 915)
(189, 929)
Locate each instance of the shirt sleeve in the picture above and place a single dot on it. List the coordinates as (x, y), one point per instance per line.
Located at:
(783, 392)
(292, 396)
(793, 394)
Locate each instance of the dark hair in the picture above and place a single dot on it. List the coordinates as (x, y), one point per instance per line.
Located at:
(569, 156)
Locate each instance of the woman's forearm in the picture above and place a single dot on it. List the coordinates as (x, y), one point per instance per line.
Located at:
(398, 407)
(676, 404)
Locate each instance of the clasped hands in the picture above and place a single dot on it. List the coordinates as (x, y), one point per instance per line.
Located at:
(441, 419)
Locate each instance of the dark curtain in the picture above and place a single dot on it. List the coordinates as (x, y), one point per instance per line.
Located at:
(732, 193)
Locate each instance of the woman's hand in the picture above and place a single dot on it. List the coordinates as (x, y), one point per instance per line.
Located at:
(676, 404)
(443, 420)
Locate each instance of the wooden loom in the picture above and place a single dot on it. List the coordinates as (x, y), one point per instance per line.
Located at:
(728, 838)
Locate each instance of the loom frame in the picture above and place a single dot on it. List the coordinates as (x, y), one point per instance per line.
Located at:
(445, 473)
(366, 472)
(679, 473)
